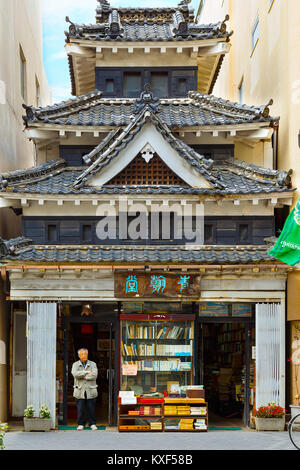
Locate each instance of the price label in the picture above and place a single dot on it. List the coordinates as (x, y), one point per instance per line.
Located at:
(129, 369)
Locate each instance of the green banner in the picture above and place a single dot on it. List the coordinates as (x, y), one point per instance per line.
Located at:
(287, 248)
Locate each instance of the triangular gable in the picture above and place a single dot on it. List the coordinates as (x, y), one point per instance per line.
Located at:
(147, 168)
(150, 136)
(146, 129)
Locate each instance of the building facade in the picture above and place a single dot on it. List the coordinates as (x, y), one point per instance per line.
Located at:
(22, 80)
(268, 32)
(145, 226)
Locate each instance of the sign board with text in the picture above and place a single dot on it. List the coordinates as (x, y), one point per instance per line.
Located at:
(159, 285)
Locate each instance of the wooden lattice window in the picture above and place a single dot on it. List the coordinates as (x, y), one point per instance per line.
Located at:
(139, 172)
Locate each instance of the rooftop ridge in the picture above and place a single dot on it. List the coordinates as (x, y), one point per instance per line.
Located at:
(227, 107)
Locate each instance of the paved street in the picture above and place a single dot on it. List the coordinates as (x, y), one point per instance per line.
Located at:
(112, 440)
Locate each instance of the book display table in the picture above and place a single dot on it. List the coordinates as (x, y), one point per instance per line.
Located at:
(163, 415)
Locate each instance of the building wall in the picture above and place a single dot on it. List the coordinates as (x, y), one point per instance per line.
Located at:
(20, 27)
(270, 70)
(3, 356)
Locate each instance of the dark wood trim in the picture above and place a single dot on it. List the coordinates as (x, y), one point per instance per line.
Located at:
(259, 227)
(117, 75)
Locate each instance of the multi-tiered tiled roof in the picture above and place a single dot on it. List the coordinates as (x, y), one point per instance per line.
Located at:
(232, 177)
(195, 110)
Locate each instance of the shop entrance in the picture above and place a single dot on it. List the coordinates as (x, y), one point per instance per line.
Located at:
(227, 369)
(99, 337)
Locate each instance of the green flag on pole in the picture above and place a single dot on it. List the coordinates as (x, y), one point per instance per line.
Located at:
(287, 247)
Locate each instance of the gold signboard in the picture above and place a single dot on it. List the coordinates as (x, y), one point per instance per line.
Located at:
(157, 285)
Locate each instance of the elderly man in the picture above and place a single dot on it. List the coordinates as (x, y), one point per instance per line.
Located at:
(85, 389)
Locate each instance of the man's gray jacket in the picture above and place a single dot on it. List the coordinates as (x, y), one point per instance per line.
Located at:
(84, 382)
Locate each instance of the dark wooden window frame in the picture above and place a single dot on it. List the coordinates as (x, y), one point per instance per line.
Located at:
(86, 220)
(117, 75)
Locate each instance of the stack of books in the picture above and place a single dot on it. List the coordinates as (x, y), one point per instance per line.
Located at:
(170, 410)
(187, 424)
(149, 410)
(183, 410)
(200, 424)
(156, 426)
(172, 424)
(198, 410)
(134, 412)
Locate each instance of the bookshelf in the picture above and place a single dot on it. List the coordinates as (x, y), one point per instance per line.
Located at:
(161, 350)
(164, 415)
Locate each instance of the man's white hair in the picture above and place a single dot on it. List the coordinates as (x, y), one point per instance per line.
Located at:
(82, 349)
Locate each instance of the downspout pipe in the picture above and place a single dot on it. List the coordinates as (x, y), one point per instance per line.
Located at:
(275, 146)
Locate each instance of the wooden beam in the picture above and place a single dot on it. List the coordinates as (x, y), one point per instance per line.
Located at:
(78, 51)
(217, 49)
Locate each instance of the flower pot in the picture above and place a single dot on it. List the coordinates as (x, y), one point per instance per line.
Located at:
(37, 424)
(295, 410)
(270, 424)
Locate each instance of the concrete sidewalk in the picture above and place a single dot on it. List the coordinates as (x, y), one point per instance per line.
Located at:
(112, 440)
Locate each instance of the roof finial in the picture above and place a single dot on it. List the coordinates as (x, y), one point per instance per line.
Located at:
(146, 99)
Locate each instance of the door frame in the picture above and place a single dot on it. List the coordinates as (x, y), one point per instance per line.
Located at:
(107, 318)
(249, 322)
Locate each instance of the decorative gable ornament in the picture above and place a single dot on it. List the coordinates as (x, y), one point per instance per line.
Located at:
(147, 152)
(147, 100)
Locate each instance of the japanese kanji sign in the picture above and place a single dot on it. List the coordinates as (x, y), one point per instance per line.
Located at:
(157, 285)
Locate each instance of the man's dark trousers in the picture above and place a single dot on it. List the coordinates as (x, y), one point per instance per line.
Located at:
(82, 404)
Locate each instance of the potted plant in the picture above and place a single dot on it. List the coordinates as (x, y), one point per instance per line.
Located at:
(3, 430)
(37, 423)
(270, 418)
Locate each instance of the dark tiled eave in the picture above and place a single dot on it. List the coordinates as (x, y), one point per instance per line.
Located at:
(213, 255)
(196, 110)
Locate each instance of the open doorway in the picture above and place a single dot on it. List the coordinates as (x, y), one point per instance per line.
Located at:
(98, 337)
(228, 371)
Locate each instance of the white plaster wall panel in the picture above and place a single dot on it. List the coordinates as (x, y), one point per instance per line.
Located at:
(41, 356)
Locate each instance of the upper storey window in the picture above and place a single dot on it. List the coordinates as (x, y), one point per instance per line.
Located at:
(159, 84)
(130, 82)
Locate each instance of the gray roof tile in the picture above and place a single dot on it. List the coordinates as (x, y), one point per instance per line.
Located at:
(196, 110)
(99, 254)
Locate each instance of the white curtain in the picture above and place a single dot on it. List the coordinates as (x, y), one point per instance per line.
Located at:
(268, 360)
(41, 356)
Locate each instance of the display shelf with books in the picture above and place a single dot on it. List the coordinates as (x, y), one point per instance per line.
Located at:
(156, 350)
(168, 414)
(137, 414)
(185, 414)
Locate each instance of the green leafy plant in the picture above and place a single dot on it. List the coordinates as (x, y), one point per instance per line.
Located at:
(3, 430)
(272, 410)
(45, 412)
(29, 412)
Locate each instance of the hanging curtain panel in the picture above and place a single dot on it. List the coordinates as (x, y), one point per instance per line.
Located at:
(41, 356)
(269, 347)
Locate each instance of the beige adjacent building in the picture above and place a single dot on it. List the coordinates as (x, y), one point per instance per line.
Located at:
(264, 64)
(22, 80)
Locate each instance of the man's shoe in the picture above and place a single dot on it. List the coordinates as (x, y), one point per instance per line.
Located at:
(80, 428)
(94, 427)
